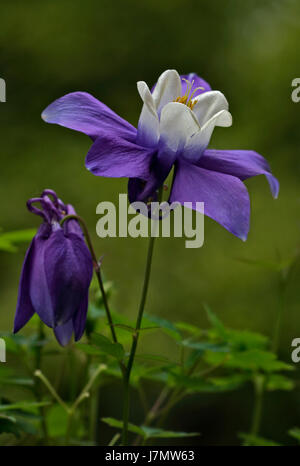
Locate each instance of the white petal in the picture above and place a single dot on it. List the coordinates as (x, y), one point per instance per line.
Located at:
(199, 141)
(167, 89)
(208, 104)
(222, 118)
(148, 126)
(177, 125)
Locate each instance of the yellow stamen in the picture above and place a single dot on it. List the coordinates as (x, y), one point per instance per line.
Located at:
(186, 99)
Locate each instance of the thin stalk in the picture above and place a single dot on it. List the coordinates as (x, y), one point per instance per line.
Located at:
(114, 440)
(73, 377)
(38, 373)
(135, 336)
(37, 387)
(85, 393)
(259, 382)
(280, 312)
(70, 410)
(93, 416)
(143, 397)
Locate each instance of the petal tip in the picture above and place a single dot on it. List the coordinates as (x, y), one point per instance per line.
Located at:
(45, 115)
(275, 193)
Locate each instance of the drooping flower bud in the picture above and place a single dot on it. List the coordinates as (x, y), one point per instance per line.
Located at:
(56, 273)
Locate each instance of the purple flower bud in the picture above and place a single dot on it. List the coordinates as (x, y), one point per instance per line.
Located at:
(56, 273)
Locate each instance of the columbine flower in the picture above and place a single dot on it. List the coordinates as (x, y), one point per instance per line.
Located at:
(56, 273)
(174, 129)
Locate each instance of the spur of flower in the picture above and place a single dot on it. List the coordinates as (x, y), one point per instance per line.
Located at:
(176, 123)
(56, 273)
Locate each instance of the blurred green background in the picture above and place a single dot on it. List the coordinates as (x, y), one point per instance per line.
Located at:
(250, 51)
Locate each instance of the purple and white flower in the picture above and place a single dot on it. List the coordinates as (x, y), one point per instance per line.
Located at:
(174, 130)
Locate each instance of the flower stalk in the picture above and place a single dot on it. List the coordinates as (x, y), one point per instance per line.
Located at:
(84, 394)
(259, 382)
(135, 336)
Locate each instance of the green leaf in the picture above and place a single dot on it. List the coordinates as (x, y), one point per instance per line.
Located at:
(279, 382)
(148, 432)
(57, 419)
(96, 312)
(9, 239)
(6, 246)
(215, 322)
(188, 328)
(155, 357)
(295, 432)
(255, 441)
(23, 405)
(166, 325)
(230, 382)
(192, 384)
(5, 372)
(157, 373)
(205, 346)
(259, 263)
(27, 427)
(89, 349)
(15, 425)
(19, 236)
(8, 425)
(252, 360)
(17, 343)
(279, 266)
(106, 346)
(17, 381)
(241, 340)
(130, 329)
(197, 384)
(152, 432)
(119, 425)
(6, 417)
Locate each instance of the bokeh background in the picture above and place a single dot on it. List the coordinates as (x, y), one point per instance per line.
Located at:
(250, 51)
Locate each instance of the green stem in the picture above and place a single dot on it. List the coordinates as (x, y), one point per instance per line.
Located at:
(69, 428)
(135, 336)
(143, 397)
(38, 373)
(37, 387)
(280, 312)
(70, 410)
(259, 382)
(93, 416)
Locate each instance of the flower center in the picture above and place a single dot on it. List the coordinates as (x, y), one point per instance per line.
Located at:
(186, 99)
